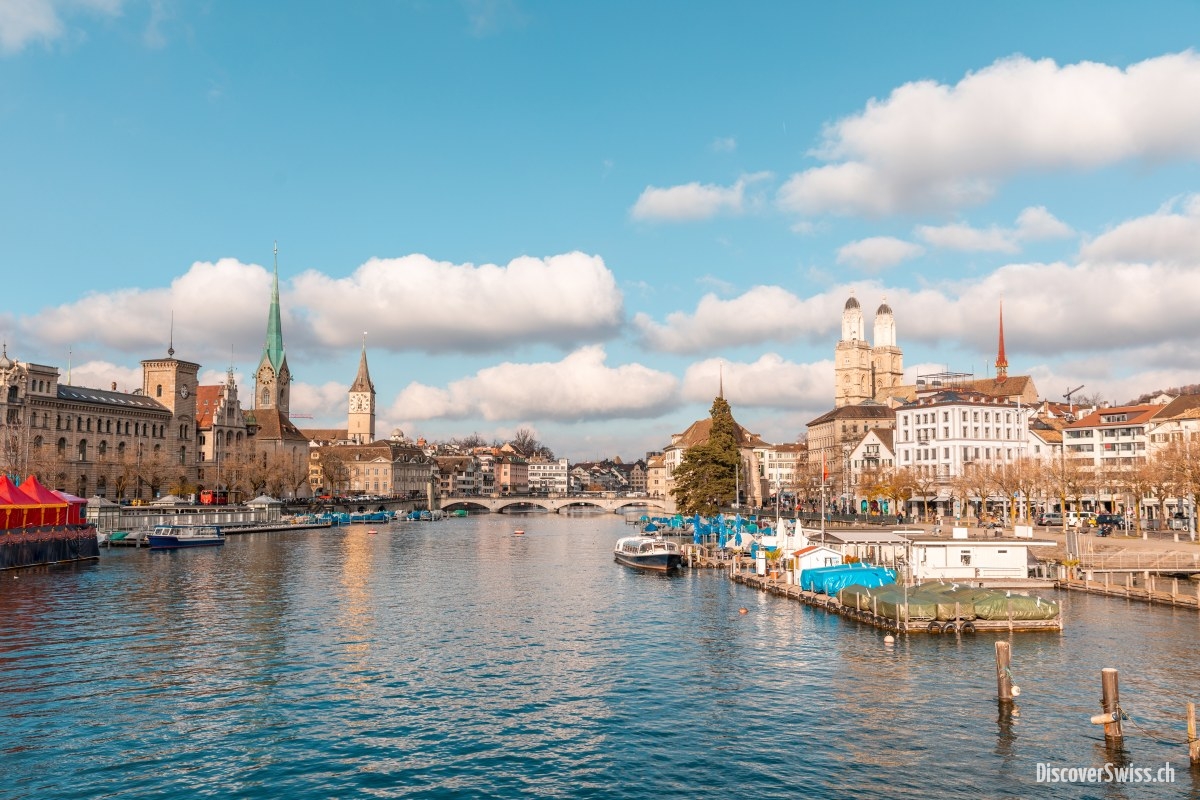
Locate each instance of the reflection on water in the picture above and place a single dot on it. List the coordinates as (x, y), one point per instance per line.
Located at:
(455, 659)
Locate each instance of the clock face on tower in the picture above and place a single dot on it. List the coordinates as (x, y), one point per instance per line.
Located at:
(183, 392)
(358, 402)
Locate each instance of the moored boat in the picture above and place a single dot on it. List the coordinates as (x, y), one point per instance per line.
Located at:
(648, 552)
(170, 537)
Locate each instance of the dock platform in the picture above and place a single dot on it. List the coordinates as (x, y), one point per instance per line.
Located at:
(902, 625)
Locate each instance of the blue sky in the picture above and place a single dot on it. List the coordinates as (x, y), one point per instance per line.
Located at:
(571, 216)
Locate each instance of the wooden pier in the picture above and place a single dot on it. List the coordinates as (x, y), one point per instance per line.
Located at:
(901, 624)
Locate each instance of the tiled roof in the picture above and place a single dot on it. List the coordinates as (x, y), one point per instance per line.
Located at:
(80, 394)
(272, 424)
(868, 410)
(207, 400)
(700, 430)
(1135, 415)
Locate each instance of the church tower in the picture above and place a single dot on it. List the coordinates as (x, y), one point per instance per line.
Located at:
(1001, 359)
(360, 428)
(272, 381)
(852, 358)
(887, 362)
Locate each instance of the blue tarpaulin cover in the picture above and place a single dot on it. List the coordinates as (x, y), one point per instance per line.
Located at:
(831, 580)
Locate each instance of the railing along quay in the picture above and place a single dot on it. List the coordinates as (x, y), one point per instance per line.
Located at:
(1152, 591)
(1140, 562)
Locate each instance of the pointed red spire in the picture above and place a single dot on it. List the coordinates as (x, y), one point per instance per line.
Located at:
(1001, 361)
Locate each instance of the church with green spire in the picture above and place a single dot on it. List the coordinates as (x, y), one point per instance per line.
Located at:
(272, 381)
(274, 433)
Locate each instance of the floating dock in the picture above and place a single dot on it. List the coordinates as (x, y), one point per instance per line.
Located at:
(902, 624)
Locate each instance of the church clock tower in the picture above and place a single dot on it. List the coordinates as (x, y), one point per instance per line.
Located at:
(360, 427)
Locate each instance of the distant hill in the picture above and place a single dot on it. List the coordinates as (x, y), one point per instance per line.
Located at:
(1191, 388)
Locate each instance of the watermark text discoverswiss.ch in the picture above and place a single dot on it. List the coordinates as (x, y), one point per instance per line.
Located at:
(1108, 773)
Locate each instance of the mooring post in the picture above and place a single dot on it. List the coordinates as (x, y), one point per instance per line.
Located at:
(1003, 673)
(1110, 702)
(1193, 742)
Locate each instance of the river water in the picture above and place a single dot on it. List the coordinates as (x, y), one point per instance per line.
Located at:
(454, 659)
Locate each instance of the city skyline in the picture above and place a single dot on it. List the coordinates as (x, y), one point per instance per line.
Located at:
(575, 218)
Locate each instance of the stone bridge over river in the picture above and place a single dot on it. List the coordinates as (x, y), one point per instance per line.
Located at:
(557, 503)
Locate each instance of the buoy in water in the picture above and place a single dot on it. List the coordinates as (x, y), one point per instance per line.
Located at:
(889, 639)
(743, 611)
(372, 532)
(518, 532)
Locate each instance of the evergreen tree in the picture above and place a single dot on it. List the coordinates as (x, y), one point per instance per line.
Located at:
(707, 478)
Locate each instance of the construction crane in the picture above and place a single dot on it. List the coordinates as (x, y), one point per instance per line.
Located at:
(1067, 397)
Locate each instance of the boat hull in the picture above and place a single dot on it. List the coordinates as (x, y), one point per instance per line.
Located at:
(656, 562)
(176, 542)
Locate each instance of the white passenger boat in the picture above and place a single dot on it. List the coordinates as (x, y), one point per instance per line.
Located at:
(649, 553)
(170, 537)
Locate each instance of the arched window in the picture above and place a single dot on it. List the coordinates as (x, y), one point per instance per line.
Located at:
(102, 450)
(82, 488)
(121, 451)
(81, 450)
(61, 449)
(183, 455)
(101, 486)
(58, 423)
(158, 390)
(37, 443)
(266, 397)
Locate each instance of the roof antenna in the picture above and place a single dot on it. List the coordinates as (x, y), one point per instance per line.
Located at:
(69, 366)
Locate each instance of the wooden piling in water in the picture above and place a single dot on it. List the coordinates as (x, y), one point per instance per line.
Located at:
(1193, 742)
(1110, 702)
(1003, 673)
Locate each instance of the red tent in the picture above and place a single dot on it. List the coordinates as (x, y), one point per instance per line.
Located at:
(6, 510)
(76, 508)
(21, 509)
(52, 509)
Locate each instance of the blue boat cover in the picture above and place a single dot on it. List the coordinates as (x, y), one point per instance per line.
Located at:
(831, 580)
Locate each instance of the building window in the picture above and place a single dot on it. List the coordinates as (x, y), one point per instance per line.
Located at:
(158, 390)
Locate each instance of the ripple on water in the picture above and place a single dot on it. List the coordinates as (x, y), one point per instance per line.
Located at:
(454, 660)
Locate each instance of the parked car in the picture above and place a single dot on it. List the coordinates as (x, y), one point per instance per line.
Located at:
(1050, 519)
(1116, 521)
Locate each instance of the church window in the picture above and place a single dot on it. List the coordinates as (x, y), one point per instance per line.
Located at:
(158, 390)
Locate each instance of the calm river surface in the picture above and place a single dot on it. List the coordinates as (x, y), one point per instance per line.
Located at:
(452, 659)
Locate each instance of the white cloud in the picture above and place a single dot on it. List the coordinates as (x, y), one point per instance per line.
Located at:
(102, 375)
(934, 146)
(1036, 222)
(1165, 237)
(580, 387)
(417, 303)
(724, 144)
(764, 313)
(960, 236)
(770, 382)
(878, 252)
(694, 201)
(25, 21)
(1033, 223)
(204, 312)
